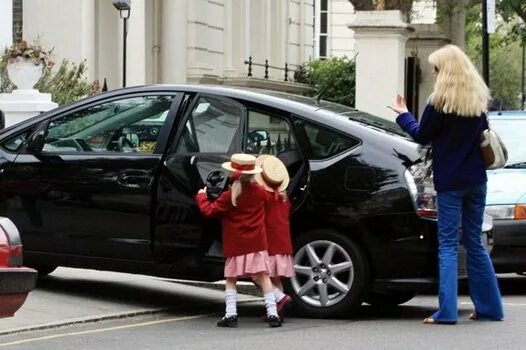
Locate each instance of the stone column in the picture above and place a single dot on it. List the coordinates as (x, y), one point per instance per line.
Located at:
(380, 65)
(173, 45)
(136, 51)
(426, 39)
(6, 23)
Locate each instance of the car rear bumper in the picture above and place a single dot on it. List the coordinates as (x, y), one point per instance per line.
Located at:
(509, 259)
(510, 232)
(15, 283)
(509, 251)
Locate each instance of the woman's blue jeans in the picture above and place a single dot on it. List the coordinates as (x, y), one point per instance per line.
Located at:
(465, 207)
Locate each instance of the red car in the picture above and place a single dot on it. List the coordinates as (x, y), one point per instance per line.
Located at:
(16, 281)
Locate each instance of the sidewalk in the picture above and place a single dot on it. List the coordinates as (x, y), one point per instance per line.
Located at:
(70, 296)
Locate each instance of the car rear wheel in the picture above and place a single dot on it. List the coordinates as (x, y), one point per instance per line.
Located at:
(44, 270)
(391, 298)
(331, 274)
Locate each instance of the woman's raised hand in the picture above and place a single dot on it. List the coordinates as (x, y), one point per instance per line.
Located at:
(399, 105)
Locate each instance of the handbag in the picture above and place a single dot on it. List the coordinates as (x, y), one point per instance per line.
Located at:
(493, 150)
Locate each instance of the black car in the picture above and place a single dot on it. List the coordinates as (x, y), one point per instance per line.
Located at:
(109, 182)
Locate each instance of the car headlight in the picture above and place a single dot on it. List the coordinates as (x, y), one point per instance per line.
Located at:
(507, 212)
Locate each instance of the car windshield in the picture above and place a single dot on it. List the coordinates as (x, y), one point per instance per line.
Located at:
(345, 111)
(512, 132)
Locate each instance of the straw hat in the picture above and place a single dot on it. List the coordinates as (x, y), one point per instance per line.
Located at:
(274, 175)
(242, 163)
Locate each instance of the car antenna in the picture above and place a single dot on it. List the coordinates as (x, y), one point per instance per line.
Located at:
(318, 97)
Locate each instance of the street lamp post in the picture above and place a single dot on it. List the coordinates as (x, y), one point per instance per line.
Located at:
(124, 7)
(523, 102)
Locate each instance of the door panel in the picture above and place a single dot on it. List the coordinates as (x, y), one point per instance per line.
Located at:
(91, 186)
(207, 136)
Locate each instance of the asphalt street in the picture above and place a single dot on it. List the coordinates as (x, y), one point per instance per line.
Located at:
(190, 324)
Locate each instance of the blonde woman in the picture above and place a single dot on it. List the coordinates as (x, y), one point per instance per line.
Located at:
(452, 123)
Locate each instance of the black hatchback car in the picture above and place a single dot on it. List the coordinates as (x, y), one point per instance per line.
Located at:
(108, 183)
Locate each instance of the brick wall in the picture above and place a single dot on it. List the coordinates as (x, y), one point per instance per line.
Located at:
(17, 20)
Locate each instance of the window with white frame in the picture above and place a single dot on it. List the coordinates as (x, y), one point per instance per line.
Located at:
(321, 28)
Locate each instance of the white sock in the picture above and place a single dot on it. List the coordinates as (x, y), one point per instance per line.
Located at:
(231, 300)
(270, 304)
(278, 294)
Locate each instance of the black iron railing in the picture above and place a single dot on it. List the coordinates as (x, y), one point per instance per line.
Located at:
(267, 66)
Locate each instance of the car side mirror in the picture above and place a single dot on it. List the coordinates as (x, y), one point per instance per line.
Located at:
(36, 141)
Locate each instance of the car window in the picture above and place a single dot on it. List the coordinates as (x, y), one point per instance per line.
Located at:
(268, 134)
(212, 127)
(325, 143)
(14, 143)
(127, 125)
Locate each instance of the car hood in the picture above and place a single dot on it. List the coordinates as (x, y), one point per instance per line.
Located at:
(506, 186)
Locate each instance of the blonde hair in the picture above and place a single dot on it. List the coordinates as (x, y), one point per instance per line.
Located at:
(237, 186)
(459, 88)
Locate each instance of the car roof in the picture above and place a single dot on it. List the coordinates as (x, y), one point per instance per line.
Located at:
(306, 107)
(507, 115)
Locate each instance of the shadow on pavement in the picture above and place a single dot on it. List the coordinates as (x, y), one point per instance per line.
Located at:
(181, 298)
(187, 297)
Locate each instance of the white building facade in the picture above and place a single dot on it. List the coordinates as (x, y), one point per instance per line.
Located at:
(176, 41)
(210, 41)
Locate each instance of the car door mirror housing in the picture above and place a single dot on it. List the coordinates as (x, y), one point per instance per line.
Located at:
(36, 141)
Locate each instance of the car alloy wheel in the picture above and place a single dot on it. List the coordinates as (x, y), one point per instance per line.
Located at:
(324, 273)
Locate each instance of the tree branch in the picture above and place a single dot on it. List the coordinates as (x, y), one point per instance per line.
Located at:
(520, 11)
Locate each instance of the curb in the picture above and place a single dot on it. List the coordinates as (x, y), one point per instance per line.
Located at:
(118, 315)
(82, 320)
(247, 288)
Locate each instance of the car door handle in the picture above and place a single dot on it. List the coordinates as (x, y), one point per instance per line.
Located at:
(135, 180)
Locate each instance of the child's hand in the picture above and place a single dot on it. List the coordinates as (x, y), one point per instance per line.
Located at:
(202, 190)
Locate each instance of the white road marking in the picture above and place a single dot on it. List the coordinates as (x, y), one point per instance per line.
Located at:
(505, 304)
(100, 330)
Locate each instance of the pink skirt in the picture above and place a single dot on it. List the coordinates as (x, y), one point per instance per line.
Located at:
(281, 265)
(247, 265)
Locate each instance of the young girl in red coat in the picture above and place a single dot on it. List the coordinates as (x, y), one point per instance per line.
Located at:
(242, 213)
(275, 179)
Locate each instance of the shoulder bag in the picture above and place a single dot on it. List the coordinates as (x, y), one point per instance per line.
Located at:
(493, 150)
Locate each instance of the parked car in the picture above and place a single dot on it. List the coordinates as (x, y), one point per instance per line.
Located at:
(506, 200)
(16, 281)
(84, 194)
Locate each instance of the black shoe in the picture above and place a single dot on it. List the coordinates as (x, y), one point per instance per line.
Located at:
(230, 321)
(273, 321)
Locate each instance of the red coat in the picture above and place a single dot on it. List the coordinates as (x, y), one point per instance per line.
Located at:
(243, 226)
(277, 217)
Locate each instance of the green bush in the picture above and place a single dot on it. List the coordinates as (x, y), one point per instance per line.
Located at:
(333, 79)
(66, 84)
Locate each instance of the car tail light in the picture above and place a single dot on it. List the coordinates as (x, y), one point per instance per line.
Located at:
(420, 183)
(10, 247)
(4, 249)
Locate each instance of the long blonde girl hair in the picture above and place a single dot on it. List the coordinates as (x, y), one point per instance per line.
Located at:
(237, 186)
(459, 88)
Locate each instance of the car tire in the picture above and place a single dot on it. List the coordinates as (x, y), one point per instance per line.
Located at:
(331, 274)
(390, 298)
(44, 270)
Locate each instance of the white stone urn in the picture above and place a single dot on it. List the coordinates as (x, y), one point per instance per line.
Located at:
(24, 73)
